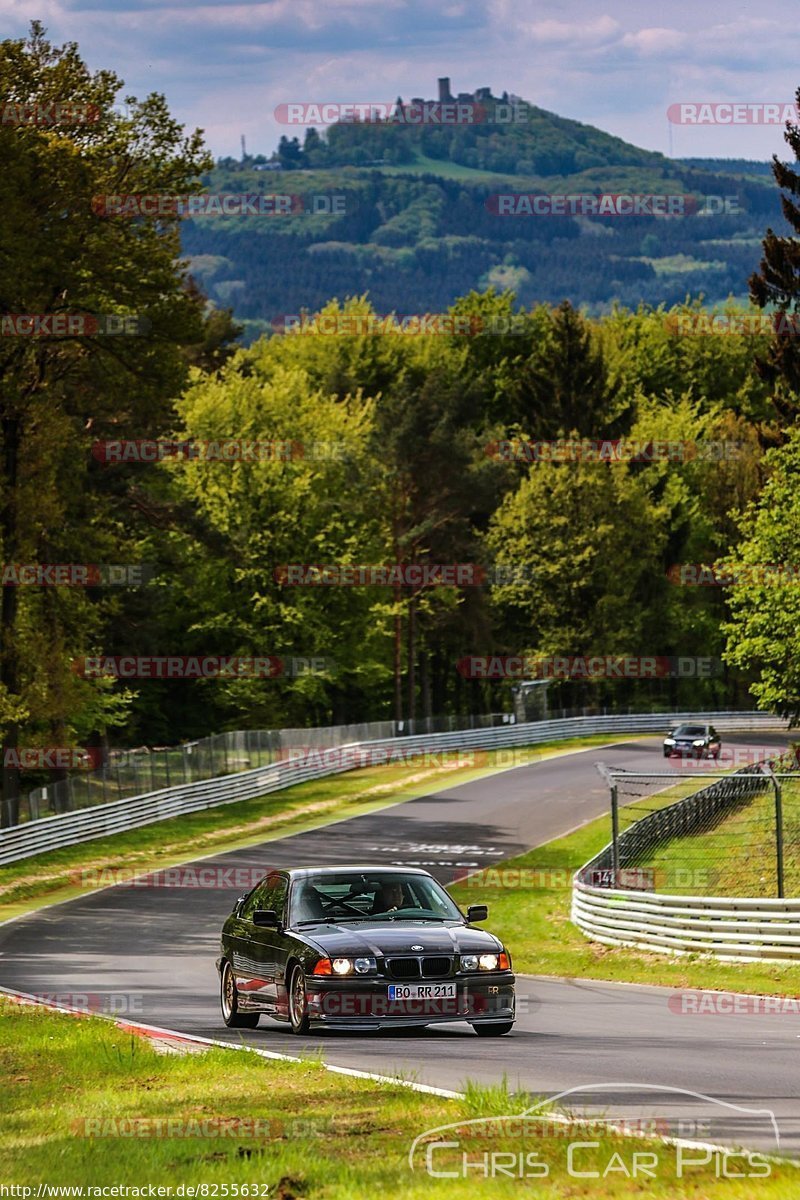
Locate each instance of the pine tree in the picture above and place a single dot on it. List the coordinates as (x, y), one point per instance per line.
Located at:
(777, 285)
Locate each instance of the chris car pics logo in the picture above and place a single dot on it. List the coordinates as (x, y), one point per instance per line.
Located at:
(685, 1131)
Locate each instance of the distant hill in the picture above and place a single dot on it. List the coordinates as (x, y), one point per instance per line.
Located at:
(730, 166)
(420, 226)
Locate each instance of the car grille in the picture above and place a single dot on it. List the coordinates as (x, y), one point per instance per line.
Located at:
(432, 967)
(419, 968)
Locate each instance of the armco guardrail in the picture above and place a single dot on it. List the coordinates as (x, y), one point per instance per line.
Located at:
(736, 929)
(128, 773)
(67, 829)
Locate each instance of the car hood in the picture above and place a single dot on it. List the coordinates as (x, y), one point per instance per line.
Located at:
(379, 938)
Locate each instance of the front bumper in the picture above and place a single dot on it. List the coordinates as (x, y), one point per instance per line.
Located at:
(364, 1003)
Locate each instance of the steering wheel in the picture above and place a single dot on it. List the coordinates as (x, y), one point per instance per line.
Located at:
(343, 904)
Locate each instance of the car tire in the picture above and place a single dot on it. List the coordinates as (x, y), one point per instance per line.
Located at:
(229, 1004)
(493, 1028)
(298, 1006)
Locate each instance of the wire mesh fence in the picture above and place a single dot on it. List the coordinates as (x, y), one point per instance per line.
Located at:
(128, 773)
(737, 836)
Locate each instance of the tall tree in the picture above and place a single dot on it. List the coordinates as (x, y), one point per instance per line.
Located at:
(776, 285)
(62, 254)
(562, 387)
(765, 597)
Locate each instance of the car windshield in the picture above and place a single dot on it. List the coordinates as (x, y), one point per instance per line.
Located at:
(690, 731)
(366, 896)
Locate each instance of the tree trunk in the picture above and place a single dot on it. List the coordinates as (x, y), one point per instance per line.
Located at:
(9, 663)
(425, 684)
(398, 658)
(412, 651)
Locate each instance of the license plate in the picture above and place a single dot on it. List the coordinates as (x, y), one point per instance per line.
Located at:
(422, 991)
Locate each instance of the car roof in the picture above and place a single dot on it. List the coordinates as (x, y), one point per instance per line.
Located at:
(362, 868)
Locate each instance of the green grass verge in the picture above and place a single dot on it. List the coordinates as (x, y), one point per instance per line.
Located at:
(737, 855)
(529, 900)
(83, 1103)
(55, 876)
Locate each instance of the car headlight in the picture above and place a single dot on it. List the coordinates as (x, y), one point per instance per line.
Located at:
(702, 742)
(669, 741)
(363, 966)
(342, 966)
(486, 962)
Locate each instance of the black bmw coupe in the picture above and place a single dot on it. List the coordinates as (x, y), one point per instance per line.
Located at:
(361, 948)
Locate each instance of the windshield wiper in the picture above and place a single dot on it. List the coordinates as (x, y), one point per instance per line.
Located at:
(404, 917)
(330, 920)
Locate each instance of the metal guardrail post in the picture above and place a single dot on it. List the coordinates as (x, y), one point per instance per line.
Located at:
(767, 769)
(614, 795)
(614, 830)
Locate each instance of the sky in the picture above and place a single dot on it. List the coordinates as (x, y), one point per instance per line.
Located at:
(226, 67)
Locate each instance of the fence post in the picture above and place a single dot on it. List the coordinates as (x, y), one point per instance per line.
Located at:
(767, 769)
(612, 787)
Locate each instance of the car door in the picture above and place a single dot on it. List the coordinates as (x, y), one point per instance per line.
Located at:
(246, 964)
(267, 952)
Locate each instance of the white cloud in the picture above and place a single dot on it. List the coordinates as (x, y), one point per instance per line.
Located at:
(653, 43)
(564, 33)
(225, 66)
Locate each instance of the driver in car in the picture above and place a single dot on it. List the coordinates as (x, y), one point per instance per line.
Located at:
(389, 898)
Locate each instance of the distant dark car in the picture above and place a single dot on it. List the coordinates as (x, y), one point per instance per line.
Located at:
(697, 741)
(361, 948)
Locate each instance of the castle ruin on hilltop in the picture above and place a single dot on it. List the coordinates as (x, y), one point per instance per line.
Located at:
(481, 95)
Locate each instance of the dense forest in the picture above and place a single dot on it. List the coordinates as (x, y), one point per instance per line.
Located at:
(367, 449)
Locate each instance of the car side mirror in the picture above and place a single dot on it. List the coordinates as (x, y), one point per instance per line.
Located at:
(477, 912)
(266, 917)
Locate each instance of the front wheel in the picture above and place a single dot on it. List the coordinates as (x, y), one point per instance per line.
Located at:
(298, 1005)
(229, 1003)
(493, 1028)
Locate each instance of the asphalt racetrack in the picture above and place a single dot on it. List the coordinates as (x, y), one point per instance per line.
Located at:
(621, 1044)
